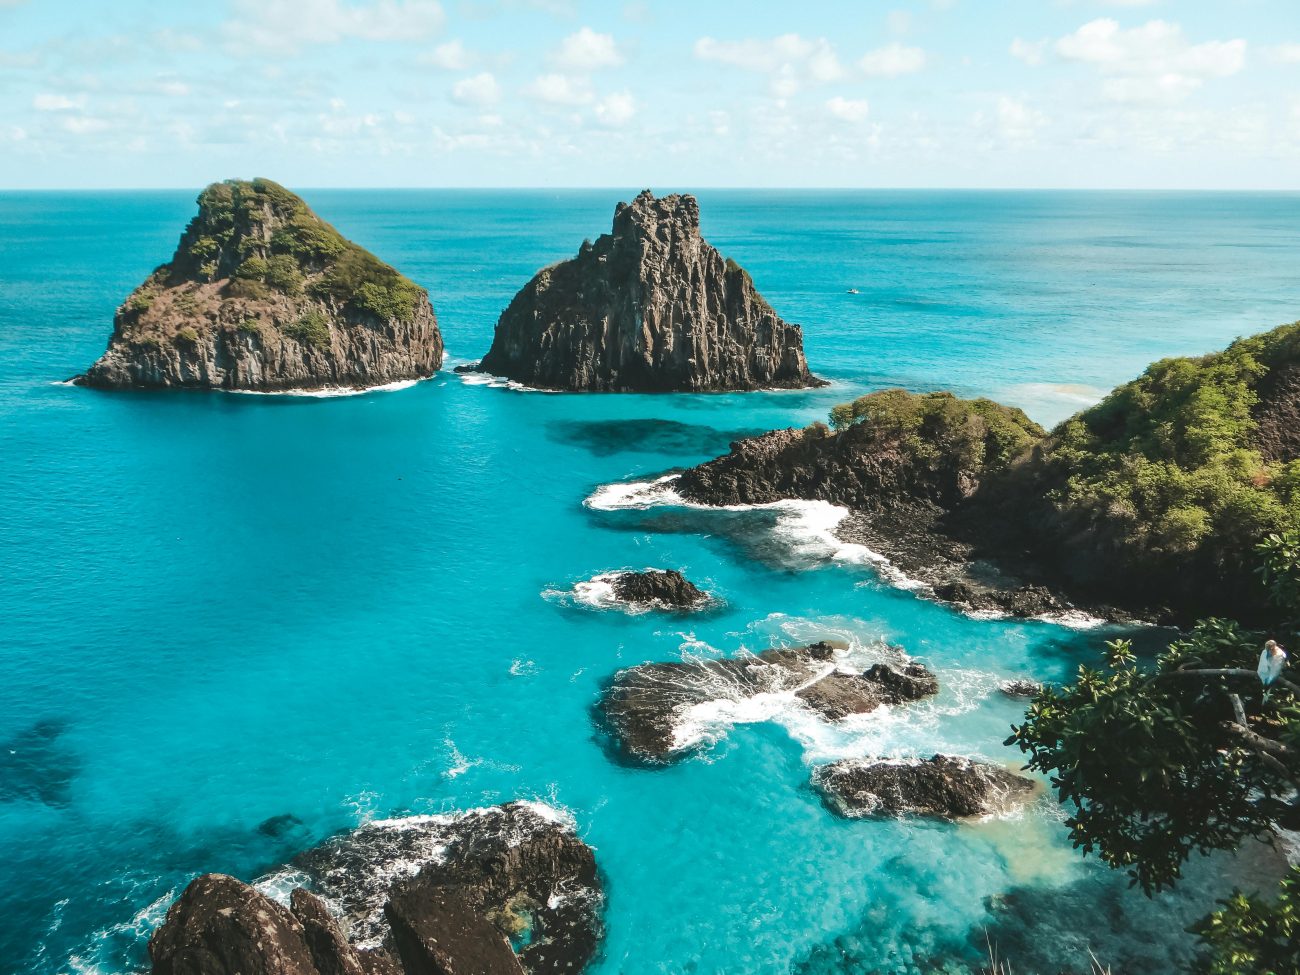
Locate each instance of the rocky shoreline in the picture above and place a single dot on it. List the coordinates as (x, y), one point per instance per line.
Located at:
(942, 786)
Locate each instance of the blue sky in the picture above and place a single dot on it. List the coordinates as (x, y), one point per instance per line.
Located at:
(979, 93)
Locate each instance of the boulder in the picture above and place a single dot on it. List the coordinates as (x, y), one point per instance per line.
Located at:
(663, 588)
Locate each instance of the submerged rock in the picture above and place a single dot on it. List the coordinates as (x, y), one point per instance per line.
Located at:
(649, 307)
(648, 708)
(262, 294)
(508, 889)
(943, 786)
(1020, 688)
(665, 588)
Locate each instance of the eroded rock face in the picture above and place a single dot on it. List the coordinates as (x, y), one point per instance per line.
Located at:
(943, 786)
(649, 709)
(263, 295)
(666, 588)
(649, 307)
(506, 890)
(221, 926)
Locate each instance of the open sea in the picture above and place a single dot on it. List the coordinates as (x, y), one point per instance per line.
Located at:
(216, 609)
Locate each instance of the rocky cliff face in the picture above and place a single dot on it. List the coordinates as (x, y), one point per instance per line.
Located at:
(649, 307)
(262, 294)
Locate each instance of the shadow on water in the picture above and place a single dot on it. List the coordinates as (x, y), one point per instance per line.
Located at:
(744, 535)
(37, 765)
(1046, 928)
(605, 438)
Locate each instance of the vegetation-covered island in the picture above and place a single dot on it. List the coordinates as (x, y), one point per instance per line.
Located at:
(262, 294)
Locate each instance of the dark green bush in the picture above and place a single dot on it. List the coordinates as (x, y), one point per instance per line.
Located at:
(311, 329)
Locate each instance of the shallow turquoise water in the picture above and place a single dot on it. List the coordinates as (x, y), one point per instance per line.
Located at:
(218, 609)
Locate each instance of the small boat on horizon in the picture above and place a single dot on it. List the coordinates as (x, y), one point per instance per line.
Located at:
(852, 291)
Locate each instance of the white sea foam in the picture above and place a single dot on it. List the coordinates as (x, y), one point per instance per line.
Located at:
(330, 392)
(500, 382)
(915, 728)
(806, 527)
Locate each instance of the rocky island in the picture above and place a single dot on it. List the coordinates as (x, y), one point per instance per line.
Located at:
(648, 708)
(1151, 501)
(263, 295)
(649, 307)
(508, 890)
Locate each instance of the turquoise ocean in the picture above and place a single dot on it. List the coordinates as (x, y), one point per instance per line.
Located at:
(216, 609)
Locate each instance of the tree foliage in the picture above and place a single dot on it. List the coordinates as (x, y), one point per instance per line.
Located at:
(1191, 755)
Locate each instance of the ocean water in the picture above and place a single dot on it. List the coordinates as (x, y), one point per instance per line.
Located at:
(216, 609)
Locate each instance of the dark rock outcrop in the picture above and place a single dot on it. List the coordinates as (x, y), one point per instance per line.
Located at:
(666, 588)
(221, 926)
(942, 786)
(649, 307)
(263, 295)
(506, 890)
(646, 708)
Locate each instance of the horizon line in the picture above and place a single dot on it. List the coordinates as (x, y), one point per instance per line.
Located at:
(714, 188)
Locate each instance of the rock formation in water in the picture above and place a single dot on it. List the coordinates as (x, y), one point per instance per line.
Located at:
(942, 786)
(264, 295)
(658, 588)
(507, 890)
(649, 307)
(647, 708)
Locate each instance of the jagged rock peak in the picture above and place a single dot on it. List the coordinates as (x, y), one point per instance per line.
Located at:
(263, 294)
(649, 307)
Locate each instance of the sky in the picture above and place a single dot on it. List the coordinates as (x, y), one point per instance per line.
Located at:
(1181, 94)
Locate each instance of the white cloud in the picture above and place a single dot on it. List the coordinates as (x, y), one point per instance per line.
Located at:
(289, 25)
(848, 109)
(1286, 53)
(1018, 121)
(451, 56)
(892, 60)
(587, 51)
(479, 90)
(616, 109)
(790, 61)
(1153, 62)
(84, 124)
(1031, 52)
(57, 103)
(560, 89)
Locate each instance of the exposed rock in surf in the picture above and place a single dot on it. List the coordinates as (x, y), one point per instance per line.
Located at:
(443, 894)
(221, 926)
(839, 694)
(942, 786)
(1025, 602)
(647, 707)
(658, 588)
(649, 307)
(1022, 688)
(262, 294)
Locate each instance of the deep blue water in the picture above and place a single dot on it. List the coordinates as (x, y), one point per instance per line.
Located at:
(215, 609)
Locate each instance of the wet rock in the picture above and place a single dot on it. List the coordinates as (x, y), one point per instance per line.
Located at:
(840, 694)
(649, 307)
(508, 889)
(436, 931)
(648, 708)
(220, 926)
(330, 951)
(942, 786)
(1023, 602)
(518, 866)
(1021, 688)
(666, 588)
